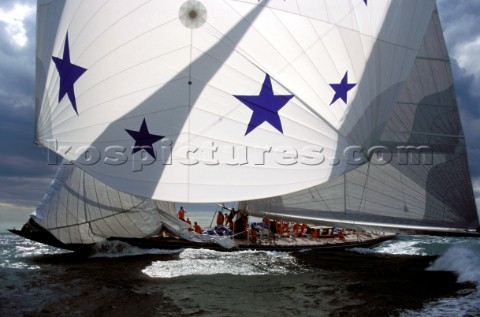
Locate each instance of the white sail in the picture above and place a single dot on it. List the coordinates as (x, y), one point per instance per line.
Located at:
(153, 97)
(79, 209)
(428, 189)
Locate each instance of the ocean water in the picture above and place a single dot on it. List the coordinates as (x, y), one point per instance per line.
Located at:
(408, 276)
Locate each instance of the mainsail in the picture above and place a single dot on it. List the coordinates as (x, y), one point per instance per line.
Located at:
(420, 180)
(211, 101)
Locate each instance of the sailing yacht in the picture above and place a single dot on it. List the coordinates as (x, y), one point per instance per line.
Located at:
(338, 113)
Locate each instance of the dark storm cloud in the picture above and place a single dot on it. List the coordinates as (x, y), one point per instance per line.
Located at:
(459, 20)
(24, 170)
(17, 63)
(469, 106)
(460, 24)
(19, 156)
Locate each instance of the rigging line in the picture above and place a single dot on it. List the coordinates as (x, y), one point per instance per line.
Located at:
(211, 222)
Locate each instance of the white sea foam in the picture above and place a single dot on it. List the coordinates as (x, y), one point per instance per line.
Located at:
(404, 248)
(464, 260)
(208, 262)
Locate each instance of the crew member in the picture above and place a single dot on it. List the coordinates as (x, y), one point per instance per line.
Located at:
(220, 218)
(197, 228)
(266, 221)
(245, 226)
(230, 218)
(295, 230)
(279, 227)
(190, 224)
(253, 235)
(286, 228)
(181, 214)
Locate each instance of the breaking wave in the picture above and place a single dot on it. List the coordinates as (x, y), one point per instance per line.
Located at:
(464, 260)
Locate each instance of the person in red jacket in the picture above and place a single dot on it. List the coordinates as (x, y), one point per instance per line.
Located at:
(181, 214)
(198, 229)
(253, 235)
(190, 223)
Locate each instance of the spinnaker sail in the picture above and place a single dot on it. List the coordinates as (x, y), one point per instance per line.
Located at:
(211, 101)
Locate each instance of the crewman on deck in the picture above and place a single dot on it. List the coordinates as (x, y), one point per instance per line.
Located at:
(302, 230)
(245, 226)
(295, 229)
(220, 218)
(279, 227)
(190, 223)
(266, 221)
(181, 214)
(197, 228)
(253, 235)
(230, 218)
(286, 228)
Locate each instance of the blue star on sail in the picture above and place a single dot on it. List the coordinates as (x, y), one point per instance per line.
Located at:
(366, 2)
(265, 106)
(341, 89)
(69, 73)
(144, 140)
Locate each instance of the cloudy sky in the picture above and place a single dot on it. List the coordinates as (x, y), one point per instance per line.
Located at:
(25, 174)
